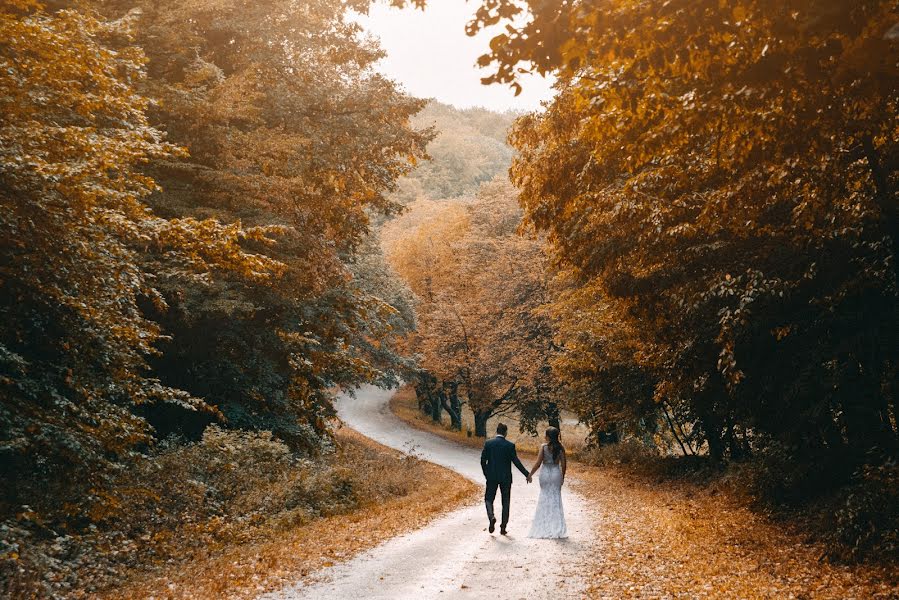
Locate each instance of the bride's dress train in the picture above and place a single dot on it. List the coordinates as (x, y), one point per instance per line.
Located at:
(549, 520)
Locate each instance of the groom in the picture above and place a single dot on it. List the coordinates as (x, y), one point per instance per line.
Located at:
(496, 462)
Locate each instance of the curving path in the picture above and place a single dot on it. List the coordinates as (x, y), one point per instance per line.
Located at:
(454, 556)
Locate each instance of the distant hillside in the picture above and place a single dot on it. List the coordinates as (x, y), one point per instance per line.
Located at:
(469, 149)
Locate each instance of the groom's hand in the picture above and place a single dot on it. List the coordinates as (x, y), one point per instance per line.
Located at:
(529, 478)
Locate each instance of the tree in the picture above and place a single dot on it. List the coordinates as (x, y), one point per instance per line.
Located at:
(469, 149)
(479, 289)
(73, 339)
(288, 125)
(721, 177)
(152, 287)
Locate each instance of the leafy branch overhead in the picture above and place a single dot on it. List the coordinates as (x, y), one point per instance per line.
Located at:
(185, 189)
(717, 181)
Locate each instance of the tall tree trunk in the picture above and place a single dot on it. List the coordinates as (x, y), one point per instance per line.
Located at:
(437, 400)
(609, 436)
(673, 431)
(733, 445)
(421, 395)
(712, 428)
(710, 416)
(480, 422)
(451, 404)
(424, 392)
(716, 448)
(684, 435)
(553, 415)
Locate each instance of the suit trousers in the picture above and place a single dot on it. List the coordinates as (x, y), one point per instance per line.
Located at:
(505, 489)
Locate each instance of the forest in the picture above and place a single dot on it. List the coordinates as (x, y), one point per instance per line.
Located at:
(218, 214)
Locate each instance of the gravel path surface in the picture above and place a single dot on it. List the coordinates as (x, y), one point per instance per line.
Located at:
(455, 556)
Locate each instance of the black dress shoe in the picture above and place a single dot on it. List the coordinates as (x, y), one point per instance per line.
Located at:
(492, 527)
(502, 531)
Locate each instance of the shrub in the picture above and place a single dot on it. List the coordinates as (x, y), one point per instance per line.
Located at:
(627, 452)
(868, 522)
(185, 500)
(780, 475)
(643, 460)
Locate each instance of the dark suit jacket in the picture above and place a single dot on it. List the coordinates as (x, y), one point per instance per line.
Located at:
(497, 458)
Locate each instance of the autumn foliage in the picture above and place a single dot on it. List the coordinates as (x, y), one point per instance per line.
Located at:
(697, 249)
(75, 136)
(480, 291)
(185, 190)
(717, 181)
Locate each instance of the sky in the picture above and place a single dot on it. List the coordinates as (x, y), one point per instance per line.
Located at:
(430, 55)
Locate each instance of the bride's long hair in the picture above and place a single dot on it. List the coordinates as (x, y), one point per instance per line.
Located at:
(554, 444)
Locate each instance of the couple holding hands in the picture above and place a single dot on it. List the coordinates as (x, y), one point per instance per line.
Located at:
(497, 458)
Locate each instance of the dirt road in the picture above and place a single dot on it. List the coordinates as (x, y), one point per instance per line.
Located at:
(455, 556)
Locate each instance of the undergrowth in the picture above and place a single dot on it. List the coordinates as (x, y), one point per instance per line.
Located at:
(854, 513)
(183, 501)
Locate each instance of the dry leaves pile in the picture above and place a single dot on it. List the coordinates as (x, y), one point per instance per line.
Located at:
(672, 542)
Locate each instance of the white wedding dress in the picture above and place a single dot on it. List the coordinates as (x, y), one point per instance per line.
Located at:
(549, 520)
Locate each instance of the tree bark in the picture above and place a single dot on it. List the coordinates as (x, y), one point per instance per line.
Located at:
(735, 450)
(480, 423)
(553, 415)
(861, 412)
(428, 394)
(673, 431)
(436, 403)
(609, 436)
(711, 416)
(421, 395)
(713, 438)
(452, 405)
(684, 436)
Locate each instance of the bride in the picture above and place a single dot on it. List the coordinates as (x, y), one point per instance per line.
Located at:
(549, 520)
